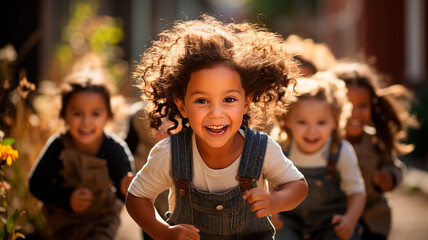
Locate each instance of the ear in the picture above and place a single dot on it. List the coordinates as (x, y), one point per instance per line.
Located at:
(248, 100)
(181, 107)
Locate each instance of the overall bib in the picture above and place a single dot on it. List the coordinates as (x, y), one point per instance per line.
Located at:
(219, 216)
(312, 218)
(100, 220)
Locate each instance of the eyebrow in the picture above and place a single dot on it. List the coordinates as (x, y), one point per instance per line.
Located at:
(227, 92)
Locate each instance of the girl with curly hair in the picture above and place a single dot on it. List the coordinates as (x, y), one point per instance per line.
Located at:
(205, 76)
(378, 123)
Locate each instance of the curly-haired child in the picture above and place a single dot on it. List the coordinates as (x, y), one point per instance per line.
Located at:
(313, 138)
(378, 123)
(203, 75)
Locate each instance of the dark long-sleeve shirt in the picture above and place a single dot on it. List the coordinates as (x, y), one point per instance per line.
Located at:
(46, 182)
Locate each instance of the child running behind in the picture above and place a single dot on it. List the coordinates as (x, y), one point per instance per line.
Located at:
(375, 129)
(314, 129)
(77, 172)
(203, 75)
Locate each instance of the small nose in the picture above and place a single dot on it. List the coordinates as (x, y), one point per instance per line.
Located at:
(216, 110)
(86, 119)
(311, 128)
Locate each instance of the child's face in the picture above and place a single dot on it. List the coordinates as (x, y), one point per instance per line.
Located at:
(360, 98)
(311, 123)
(86, 115)
(215, 104)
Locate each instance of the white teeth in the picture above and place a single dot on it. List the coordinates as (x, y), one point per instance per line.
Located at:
(216, 127)
(354, 122)
(224, 127)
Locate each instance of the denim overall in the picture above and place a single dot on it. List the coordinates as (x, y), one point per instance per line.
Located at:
(219, 216)
(312, 218)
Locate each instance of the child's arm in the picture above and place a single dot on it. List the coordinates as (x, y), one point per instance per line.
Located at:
(389, 175)
(146, 216)
(285, 198)
(346, 223)
(125, 182)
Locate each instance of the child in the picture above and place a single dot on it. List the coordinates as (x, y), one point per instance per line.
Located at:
(376, 146)
(314, 142)
(77, 171)
(202, 75)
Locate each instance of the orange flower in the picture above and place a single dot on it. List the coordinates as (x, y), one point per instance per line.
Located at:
(8, 154)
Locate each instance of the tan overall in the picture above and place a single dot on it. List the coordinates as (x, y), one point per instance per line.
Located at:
(101, 219)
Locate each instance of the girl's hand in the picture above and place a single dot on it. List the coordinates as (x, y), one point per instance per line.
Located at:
(183, 231)
(80, 199)
(260, 200)
(124, 183)
(343, 226)
(383, 179)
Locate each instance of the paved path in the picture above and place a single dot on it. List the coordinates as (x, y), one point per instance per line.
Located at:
(410, 207)
(128, 229)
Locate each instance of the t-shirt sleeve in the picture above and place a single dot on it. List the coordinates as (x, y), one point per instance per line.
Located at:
(45, 181)
(277, 168)
(349, 170)
(156, 175)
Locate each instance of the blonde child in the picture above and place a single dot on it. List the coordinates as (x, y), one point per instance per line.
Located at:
(313, 139)
(375, 128)
(77, 172)
(203, 76)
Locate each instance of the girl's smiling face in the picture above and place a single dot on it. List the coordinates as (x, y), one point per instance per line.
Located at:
(360, 98)
(215, 104)
(311, 124)
(86, 115)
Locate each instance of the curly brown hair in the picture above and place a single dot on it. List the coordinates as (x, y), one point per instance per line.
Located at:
(264, 65)
(390, 116)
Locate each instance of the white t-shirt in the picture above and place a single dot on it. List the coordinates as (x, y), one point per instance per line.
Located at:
(351, 180)
(156, 175)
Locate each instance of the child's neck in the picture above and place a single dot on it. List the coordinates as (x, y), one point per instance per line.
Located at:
(219, 158)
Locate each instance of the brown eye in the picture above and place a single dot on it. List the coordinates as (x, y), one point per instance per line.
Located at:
(230, 100)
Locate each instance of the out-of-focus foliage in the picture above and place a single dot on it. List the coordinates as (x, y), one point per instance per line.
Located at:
(89, 34)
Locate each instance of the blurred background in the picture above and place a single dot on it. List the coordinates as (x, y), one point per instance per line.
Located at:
(44, 40)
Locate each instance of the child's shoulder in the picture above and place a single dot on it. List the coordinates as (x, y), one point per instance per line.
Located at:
(162, 147)
(112, 142)
(55, 141)
(113, 137)
(346, 148)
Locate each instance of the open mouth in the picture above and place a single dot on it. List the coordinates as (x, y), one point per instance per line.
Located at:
(354, 123)
(85, 132)
(216, 130)
(311, 141)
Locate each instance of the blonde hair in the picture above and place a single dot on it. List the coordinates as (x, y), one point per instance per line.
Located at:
(326, 87)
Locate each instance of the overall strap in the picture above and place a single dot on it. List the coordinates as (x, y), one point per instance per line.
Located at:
(332, 161)
(252, 159)
(181, 159)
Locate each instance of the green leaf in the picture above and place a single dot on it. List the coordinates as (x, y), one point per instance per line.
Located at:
(1, 233)
(11, 221)
(8, 141)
